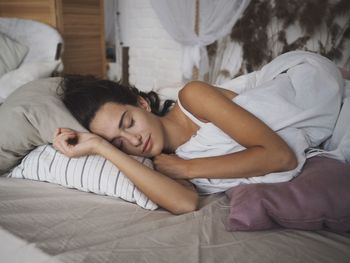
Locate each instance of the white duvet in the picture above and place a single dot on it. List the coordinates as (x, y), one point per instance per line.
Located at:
(298, 95)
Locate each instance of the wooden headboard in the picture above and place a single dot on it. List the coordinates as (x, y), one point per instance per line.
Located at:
(81, 24)
(38, 10)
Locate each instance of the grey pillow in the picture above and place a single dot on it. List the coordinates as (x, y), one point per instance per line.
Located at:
(29, 118)
(11, 55)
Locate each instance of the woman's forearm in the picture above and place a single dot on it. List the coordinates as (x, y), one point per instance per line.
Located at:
(255, 161)
(161, 189)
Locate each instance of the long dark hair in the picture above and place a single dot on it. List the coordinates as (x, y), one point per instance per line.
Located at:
(83, 95)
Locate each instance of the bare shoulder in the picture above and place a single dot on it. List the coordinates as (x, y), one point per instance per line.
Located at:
(198, 96)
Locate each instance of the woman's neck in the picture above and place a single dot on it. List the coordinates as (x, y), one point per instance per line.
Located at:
(178, 129)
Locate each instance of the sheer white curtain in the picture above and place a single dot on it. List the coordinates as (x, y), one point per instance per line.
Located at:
(216, 18)
(227, 61)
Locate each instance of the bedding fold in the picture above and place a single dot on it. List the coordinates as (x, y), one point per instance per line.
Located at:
(298, 95)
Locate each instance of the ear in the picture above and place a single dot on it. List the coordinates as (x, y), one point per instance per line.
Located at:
(143, 104)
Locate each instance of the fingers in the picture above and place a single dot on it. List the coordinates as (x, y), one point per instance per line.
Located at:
(58, 131)
(75, 144)
(66, 130)
(62, 141)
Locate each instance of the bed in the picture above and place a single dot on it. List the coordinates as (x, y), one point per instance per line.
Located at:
(49, 222)
(305, 220)
(43, 222)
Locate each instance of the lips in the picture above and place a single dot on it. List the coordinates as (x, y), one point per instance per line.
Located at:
(147, 143)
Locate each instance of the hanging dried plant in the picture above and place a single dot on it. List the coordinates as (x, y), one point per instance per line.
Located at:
(262, 30)
(286, 10)
(225, 73)
(312, 16)
(299, 43)
(212, 48)
(252, 34)
(339, 8)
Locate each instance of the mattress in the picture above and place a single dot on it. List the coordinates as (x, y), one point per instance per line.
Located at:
(43, 222)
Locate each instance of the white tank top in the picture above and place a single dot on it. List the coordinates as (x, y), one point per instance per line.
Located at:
(298, 95)
(211, 141)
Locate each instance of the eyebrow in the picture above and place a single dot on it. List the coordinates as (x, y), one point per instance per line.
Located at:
(122, 119)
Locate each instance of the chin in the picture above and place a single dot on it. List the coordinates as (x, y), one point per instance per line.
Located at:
(156, 151)
(147, 155)
(151, 154)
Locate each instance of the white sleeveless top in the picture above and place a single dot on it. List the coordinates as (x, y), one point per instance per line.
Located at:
(209, 141)
(297, 95)
(212, 141)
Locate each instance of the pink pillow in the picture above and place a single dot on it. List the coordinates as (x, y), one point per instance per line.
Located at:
(319, 198)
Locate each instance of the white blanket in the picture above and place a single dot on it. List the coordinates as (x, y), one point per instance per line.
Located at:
(298, 95)
(338, 146)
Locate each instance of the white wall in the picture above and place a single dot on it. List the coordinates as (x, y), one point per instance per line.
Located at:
(154, 57)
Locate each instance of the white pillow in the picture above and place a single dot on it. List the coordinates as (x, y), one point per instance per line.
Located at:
(90, 174)
(24, 74)
(11, 55)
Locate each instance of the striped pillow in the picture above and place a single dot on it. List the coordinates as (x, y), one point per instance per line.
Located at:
(89, 173)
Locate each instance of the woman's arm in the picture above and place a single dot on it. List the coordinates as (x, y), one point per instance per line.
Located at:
(265, 151)
(174, 196)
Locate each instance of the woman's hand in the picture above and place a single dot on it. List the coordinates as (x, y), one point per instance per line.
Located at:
(171, 165)
(76, 144)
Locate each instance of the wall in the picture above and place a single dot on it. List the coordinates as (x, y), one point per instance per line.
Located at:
(154, 57)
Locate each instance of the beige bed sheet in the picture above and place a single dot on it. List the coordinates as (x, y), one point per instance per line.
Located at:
(43, 222)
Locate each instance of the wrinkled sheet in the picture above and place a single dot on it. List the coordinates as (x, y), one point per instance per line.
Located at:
(298, 95)
(42, 222)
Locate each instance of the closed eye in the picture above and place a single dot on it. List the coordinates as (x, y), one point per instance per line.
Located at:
(128, 122)
(132, 123)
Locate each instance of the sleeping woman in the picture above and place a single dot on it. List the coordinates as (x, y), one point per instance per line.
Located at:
(207, 142)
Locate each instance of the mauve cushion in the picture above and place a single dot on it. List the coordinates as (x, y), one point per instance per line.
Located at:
(318, 198)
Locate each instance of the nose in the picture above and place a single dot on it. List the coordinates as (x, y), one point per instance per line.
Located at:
(134, 139)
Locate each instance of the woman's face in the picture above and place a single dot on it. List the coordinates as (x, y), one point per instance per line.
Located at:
(134, 130)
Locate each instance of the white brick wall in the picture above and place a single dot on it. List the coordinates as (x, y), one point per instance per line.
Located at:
(154, 57)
